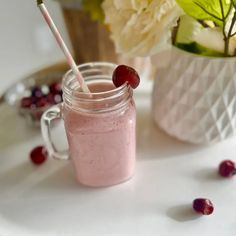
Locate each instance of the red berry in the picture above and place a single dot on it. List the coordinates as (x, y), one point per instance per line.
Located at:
(203, 206)
(28, 102)
(55, 88)
(124, 73)
(50, 98)
(57, 98)
(37, 92)
(38, 155)
(42, 102)
(227, 168)
(54, 98)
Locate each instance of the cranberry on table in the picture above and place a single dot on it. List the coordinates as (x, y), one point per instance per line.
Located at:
(124, 73)
(203, 206)
(38, 155)
(227, 168)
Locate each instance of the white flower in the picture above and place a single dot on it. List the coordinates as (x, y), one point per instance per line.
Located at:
(141, 27)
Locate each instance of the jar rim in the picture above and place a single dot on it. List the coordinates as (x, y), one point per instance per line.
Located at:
(91, 65)
(95, 102)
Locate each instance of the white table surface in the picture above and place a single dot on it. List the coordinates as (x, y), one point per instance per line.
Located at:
(46, 200)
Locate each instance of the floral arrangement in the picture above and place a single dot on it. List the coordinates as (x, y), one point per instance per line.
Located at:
(141, 28)
(149, 26)
(146, 27)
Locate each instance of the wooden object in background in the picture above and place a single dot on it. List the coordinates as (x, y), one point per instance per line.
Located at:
(90, 40)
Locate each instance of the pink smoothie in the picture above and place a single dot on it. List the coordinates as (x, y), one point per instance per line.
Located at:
(102, 145)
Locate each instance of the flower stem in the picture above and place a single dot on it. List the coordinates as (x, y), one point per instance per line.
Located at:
(229, 35)
(226, 36)
(226, 47)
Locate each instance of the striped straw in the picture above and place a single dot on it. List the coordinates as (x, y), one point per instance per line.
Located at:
(62, 45)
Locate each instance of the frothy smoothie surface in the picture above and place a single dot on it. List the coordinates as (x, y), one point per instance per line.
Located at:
(102, 145)
(101, 87)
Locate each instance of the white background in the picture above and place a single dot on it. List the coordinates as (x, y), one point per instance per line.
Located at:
(26, 43)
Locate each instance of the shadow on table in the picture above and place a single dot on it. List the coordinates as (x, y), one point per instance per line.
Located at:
(182, 213)
(61, 179)
(13, 128)
(14, 176)
(52, 175)
(208, 174)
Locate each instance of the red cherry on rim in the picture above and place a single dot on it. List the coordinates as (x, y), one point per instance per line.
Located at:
(124, 73)
(38, 155)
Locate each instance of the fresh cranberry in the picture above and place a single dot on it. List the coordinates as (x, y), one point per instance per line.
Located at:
(203, 206)
(42, 102)
(50, 98)
(57, 98)
(37, 92)
(124, 73)
(227, 168)
(54, 98)
(26, 102)
(55, 88)
(38, 155)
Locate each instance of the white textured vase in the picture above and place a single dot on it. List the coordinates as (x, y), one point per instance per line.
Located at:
(194, 97)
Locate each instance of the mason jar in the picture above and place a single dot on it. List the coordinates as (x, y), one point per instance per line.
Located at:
(100, 126)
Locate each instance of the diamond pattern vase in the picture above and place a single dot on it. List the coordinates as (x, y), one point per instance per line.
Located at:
(194, 97)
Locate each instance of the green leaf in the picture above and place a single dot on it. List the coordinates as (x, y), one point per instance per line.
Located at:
(215, 10)
(234, 2)
(199, 49)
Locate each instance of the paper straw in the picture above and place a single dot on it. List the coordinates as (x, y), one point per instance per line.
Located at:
(62, 45)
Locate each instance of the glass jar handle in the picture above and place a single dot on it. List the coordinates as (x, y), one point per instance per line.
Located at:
(48, 116)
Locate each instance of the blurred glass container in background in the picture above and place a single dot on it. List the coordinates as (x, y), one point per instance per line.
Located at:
(35, 93)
